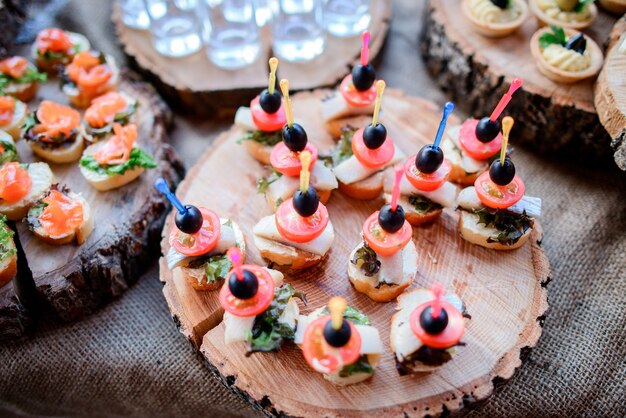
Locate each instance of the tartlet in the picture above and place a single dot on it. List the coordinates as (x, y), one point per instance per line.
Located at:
(545, 20)
(562, 76)
(496, 29)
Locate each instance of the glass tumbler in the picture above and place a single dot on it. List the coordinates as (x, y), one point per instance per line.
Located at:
(297, 31)
(230, 32)
(265, 11)
(134, 14)
(345, 18)
(175, 29)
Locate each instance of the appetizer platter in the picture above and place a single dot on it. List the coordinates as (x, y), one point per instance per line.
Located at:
(326, 304)
(491, 45)
(610, 92)
(78, 162)
(194, 85)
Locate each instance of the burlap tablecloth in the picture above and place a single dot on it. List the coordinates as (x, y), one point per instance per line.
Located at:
(129, 360)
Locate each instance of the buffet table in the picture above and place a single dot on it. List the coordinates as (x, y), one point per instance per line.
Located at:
(128, 359)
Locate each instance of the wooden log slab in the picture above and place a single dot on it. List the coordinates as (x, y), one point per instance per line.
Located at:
(73, 281)
(12, 15)
(195, 86)
(504, 291)
(476, 71)
(610, 92)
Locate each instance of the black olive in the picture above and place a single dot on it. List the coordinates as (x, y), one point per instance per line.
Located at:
(432, 325)
(294, 137)
(306, 203)
(487, 130)
(429, 159)
(503, 4)
(389, 220)
(270, 103)
(502, 174)
(374, 136)
(243, 289)
(363, 77)
(189, 222)
(577, 43)
(337, 337)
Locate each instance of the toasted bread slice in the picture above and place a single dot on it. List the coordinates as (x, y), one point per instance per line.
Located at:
(259, 152)
(367, 189)
(412, 215)
(79, 235)
(337, 379)
(82, 99)
(285, 255)
(465, 169)
(8, 263)
(337, 113)
(42, 178)
(103, 181)
(14, 128)
(334, 126)
(51, 66)
(479, 234)
(22, 91)
(62, 154)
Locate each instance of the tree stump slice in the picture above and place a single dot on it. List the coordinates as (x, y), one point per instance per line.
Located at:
(195, 86)
(504, 291)
(73, 281)
(12, 16)
(476, 71)
(610, 92)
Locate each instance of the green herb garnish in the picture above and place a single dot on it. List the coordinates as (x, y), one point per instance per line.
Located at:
(216, 269)
(9, 154)
(267, 333)
(362, 365)
(422, 204)
(582, 4)
(7, 247)
(556, 37)
(30, 122)
(353, 315)
(263, 183)
(138, 158)
(343, 149)
(263, 138)
(511, 226)
(365, 259)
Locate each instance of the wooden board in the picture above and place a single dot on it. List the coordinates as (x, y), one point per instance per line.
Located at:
(71, 280)
(610, 92)
(194, 85)
(476, 71)
(504, 292)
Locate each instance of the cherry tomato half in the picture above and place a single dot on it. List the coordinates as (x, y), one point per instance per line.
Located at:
(298, 228)
(449, 337)
(288, 162)
(423, 181)
(202, 241)
(15, 182)
(383, 242)
(267, 122)
(256, 304)
(473, 147)
(323, 357)
(372, 158)
(353, 96)
(499, 197)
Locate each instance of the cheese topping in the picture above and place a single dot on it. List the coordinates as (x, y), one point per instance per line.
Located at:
(453, 152)
(322, 178)
(351, 170)
(266, 228)
(468, 200)
(445, 195)
(566, 59)
(486, 11)
(552, 9)
(336, 107)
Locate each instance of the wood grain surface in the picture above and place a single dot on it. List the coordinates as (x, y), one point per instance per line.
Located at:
(504, 291)
(196, 85)
(477, 70)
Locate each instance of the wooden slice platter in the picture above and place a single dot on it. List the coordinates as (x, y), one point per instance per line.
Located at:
(610, 92)
(477, 70)
(194, 85)
(504, 291)
(71, 280)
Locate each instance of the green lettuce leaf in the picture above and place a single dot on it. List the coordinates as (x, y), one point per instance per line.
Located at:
(263, 138)
(353, 315)
(138, 158)
(422, 204)
(362, 365)
(9, 154)
(216, 268)
(343, 149)
(365, 260)
(557, 37)
(7, 249)
(511, 226)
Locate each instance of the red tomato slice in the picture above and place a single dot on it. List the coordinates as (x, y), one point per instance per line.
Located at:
(353, 96)
(297, 228)
(256, 304)
(323, 357)
(449, 337)
(383, 242)
(267, 122)
(287, 162)
(202, 241)
(423, 181)
(372, 158)
(473, 147)
(15, 182)
(499, 197)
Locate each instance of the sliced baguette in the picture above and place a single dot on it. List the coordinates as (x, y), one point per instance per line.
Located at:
(51, 66)
(337, 113)
(334, 126)
(413, 216)
(22, 91)
(79, 235)
(259, 152)
(8, 264)
(465, 169)
(61, 154)
(367, 189)
(82, 99)
(285, 255)
(14, 128)
(104, 182)
(478, 234)
(42, 178)
(91, 139)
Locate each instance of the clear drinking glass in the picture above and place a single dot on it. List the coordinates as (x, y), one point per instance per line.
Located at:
(175, 30)
(134, 14)
(230, 32)
(265, 11)
(344, 18)
(297, 31)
